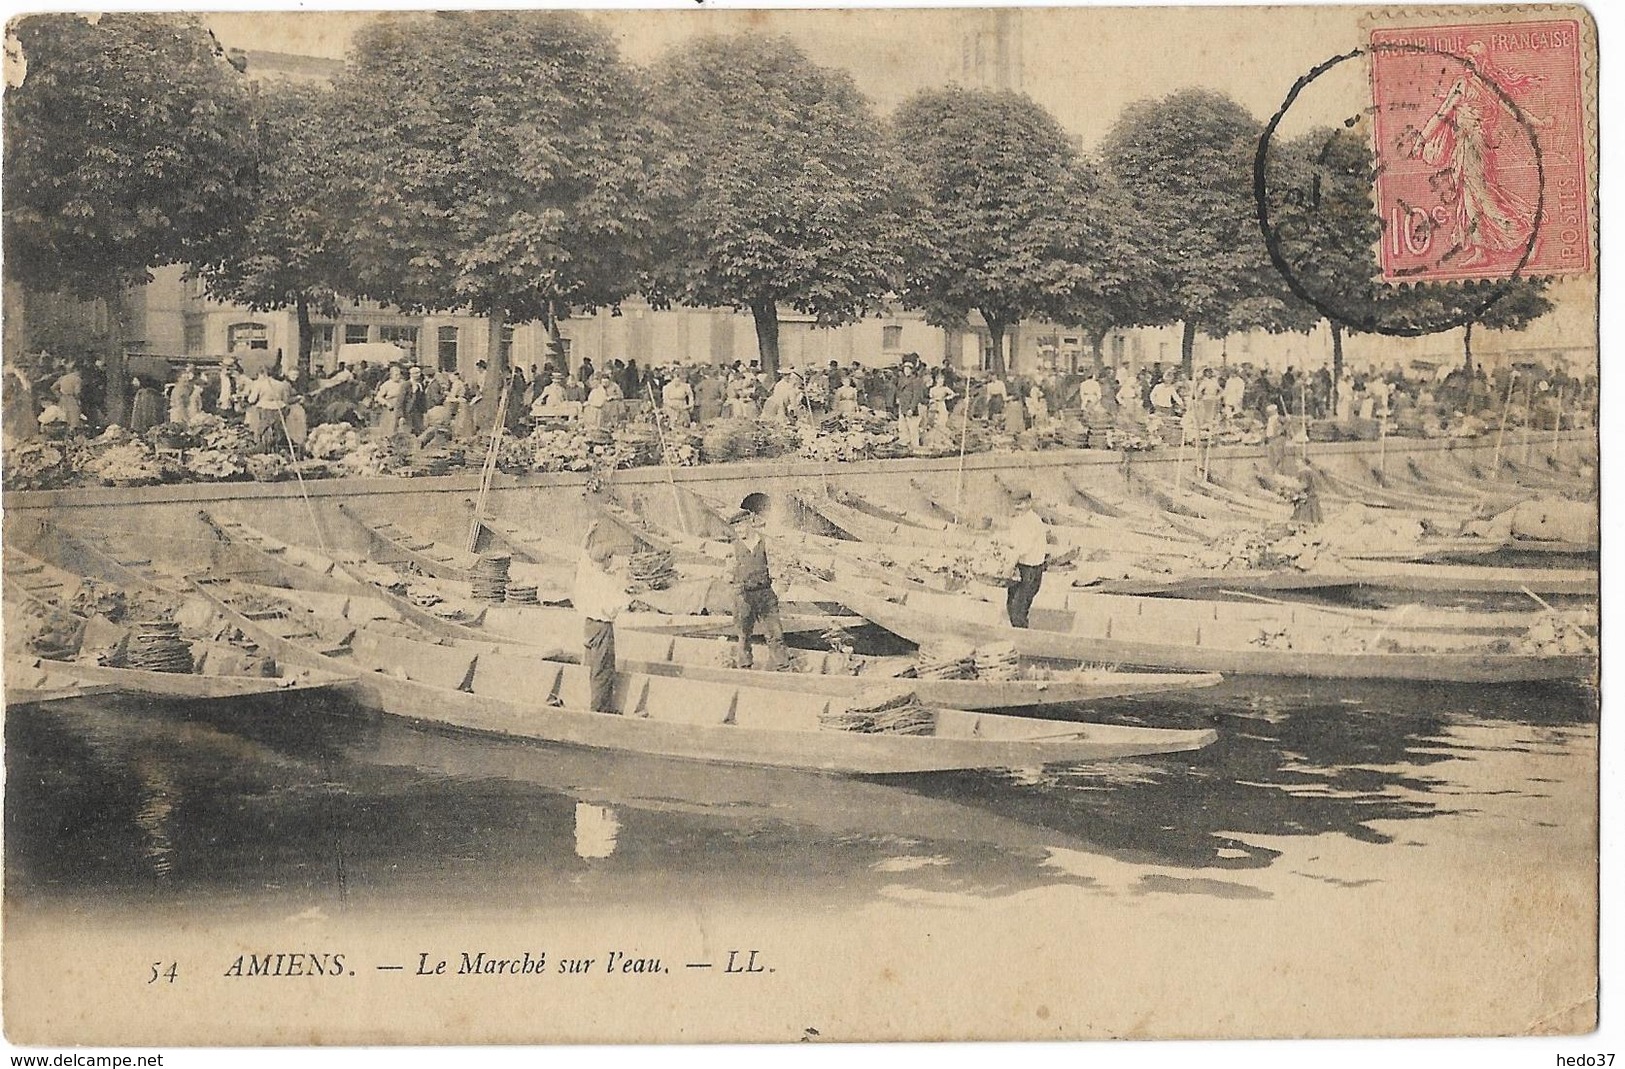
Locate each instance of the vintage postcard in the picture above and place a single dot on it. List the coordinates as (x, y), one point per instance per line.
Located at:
(714, 526)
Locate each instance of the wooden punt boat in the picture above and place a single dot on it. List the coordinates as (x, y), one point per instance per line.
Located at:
(187, 686)
(1376, 571)
(863, 527)
(922, 616)
(47, 588)
(498, 622)
(743, 797)
(1546, 477)
(36, 681)
(1401, 576)
(525, 545)
(1146, 518)
(1094, 529)
(255, 555)
(835, 674)
(1190, 497)
(1333, 484)
(1235, 610)
(504, 693)
(1468, 493)
(428, 557)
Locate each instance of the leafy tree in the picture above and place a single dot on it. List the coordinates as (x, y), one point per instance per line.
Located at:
(128, 144)
(494, 163)
(773, 186)
(1011, 223)
(287, 252)
(1185, 162)
(1325, 226)
(1111, 244)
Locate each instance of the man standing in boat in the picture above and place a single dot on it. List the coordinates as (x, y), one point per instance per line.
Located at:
(753, 596)
(599, 597)
(1029, 539)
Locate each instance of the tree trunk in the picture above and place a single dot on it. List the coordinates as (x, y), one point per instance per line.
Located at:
(1097, 345)
(301, 309)
(496, 374)
(496, 365)
(995, 330)
(766, 313)
(1467, 347)
(116, 395)
(1187, 348)
(555, 343)
(1337, 350)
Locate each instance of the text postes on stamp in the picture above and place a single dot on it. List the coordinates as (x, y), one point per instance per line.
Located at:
(1480, 136)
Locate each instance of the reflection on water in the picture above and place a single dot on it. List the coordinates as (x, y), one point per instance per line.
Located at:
(596, 830)
(309, 802)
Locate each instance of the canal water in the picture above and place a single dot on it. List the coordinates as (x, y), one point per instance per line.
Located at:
(307, 802)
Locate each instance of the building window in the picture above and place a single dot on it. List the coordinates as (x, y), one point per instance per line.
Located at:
(321, 340)
(356, 334)
(507, 343)
(194, 339)
(891, 338)
(247, 336)
(448, 348)
(405, 338)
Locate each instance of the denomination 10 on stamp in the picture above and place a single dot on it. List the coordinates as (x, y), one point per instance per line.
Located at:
(1481, 147)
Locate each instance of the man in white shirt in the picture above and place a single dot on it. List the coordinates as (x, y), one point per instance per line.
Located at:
(1089, 392)
(677, 399)
(599, 597)
(1029, 539)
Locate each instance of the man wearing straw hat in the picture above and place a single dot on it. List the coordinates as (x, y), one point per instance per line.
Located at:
(753, 596)
(599, 597)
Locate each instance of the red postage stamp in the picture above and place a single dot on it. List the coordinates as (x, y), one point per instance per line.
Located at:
(1481, 148)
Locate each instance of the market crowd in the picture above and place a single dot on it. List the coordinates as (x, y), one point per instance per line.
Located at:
(911, 407)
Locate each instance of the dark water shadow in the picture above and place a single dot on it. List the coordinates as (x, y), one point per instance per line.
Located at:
(310, 802)
(1293, 758)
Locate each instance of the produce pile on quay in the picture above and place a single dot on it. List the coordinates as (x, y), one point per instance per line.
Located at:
(397, 420)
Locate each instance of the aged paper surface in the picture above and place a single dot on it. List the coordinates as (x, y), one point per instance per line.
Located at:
(1351, 858)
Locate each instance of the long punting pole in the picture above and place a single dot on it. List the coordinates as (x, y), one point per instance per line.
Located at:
(665, 457)
(1557, 423)
(1501, 434)
(489, 470)
(1528, 405)
(964, 435)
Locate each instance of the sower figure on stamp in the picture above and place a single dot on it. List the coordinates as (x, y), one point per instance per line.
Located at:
(599, 597)
(1029, 539)
(753, 596)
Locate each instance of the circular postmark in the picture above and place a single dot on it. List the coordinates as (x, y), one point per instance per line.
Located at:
(1328, 252)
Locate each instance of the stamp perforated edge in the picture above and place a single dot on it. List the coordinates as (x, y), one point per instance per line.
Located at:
(1489, 15)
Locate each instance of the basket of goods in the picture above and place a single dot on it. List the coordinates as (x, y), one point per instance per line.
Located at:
(892, 710)
(945, 660)
(652, 571)
(488, 580)
(157, 646)
(996, 661)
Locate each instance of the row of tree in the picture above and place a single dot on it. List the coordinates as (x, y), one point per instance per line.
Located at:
(513, 165)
